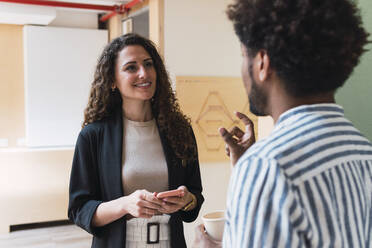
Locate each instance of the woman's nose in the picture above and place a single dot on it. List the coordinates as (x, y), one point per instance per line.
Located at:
(142, 72)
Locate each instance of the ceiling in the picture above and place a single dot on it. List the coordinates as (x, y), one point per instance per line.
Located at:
(100, 2)
(20, 14)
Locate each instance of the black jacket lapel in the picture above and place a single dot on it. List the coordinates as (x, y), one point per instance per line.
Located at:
(112, 142)
(173, 173)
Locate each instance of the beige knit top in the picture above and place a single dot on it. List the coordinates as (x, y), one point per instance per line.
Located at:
(144, 164)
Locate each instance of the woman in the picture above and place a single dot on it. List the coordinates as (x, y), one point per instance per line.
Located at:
(135, 142)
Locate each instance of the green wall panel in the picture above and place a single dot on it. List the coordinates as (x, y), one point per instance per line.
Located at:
(356, 95)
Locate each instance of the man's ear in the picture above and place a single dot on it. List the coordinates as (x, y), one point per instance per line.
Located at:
(263, 64)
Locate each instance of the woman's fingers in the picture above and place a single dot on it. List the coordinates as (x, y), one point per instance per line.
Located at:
(174, 200)
(185, 190)
(147, 213)
(149, 205)
(175, 203)
(150, 197)
(170, 207)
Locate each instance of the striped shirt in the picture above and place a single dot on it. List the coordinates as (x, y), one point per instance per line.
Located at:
(306, 185)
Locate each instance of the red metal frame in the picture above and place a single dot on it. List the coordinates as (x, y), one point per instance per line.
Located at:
(131, 4)
(108, 16)
(120, 10)
(115, 9)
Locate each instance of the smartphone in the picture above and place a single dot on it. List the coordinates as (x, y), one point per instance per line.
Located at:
(175, 192)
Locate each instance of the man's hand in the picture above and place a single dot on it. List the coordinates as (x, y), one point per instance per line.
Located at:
(237, 141)
(202, 240)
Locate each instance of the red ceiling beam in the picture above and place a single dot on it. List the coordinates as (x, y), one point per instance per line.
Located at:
(120, 10)
(131, 4)
(115, 9)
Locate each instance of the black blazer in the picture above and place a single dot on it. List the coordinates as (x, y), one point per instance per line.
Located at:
(96, 178)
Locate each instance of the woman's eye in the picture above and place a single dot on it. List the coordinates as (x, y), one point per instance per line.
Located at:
(149, 64)
(130, 68)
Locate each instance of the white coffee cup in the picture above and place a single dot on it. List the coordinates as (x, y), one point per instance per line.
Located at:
(214, 223)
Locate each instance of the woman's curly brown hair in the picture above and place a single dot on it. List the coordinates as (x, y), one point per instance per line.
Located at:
(103, 101)
(313, 45)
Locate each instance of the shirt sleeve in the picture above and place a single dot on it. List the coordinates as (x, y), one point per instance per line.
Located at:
(83, 190)
(262, 207)
(194, 185)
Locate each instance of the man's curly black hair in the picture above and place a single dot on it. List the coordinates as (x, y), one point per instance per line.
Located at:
(313, 45)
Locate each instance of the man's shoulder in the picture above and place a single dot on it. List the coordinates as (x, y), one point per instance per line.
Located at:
(264, 149)
(267, 154)
(258, 163)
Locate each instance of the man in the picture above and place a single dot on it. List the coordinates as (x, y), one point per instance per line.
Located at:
(308, 184)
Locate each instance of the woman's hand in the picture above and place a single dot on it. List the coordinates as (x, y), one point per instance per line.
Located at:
(175, 203)
(142, 204)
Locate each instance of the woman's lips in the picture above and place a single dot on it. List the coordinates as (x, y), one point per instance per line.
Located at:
(143, 85)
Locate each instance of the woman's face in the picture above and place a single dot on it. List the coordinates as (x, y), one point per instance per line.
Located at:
(135, 74)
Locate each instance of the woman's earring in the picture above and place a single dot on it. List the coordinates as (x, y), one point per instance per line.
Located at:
(113, 89)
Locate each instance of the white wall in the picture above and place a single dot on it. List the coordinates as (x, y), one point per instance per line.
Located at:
(59, 66)
(75, 19)
(199, 40)
(37, 177)
(23, 14)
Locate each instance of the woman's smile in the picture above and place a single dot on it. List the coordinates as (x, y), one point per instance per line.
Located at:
(144, 85)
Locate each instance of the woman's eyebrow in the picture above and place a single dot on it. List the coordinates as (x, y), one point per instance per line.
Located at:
(129, 62)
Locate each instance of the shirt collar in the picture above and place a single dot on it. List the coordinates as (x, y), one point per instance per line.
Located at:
(289, 115)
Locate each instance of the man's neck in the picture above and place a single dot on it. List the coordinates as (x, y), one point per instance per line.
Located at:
(280, 103)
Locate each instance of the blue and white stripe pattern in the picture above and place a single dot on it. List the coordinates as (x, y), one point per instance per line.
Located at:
(309, 184)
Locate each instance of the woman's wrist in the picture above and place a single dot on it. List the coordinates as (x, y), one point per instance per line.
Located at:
(107, 212)
(191, 204)
(122, 210)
